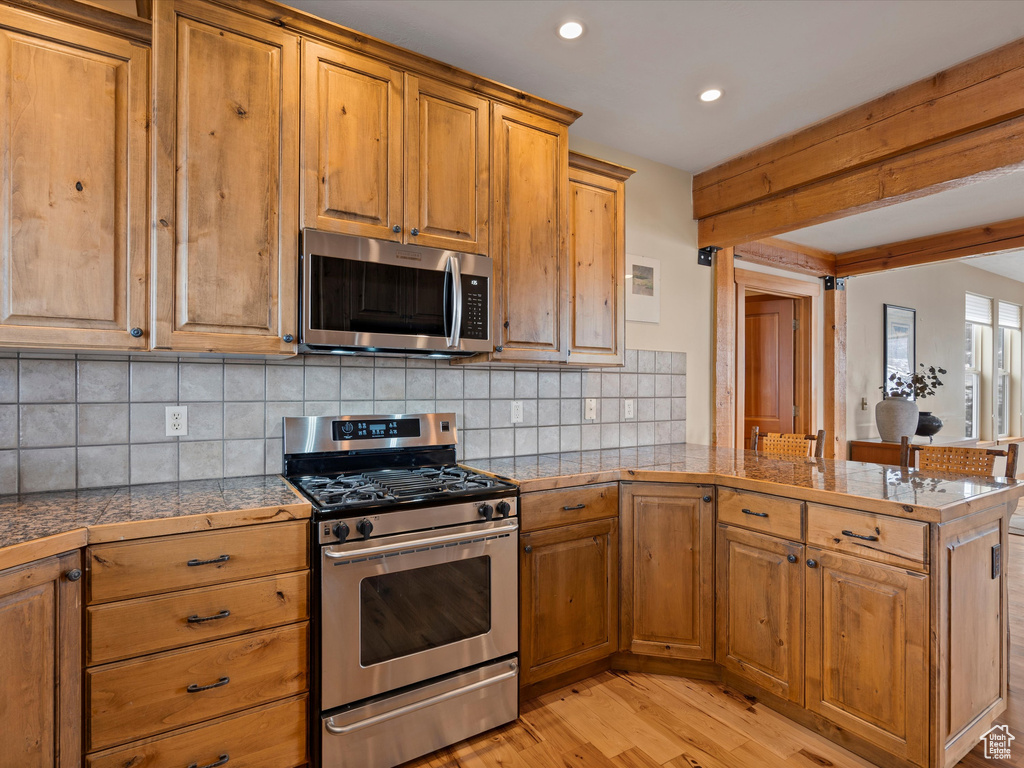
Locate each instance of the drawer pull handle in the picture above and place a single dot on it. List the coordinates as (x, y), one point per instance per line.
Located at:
(193, 688)
(853, 535)
(223, 761)
(573, 509)
(195, 562)
(755, 514)
(193, 619)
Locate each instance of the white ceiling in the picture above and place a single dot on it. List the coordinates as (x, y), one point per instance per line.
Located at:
(1008, 264)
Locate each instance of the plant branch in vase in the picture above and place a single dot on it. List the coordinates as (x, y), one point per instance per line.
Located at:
(916, 386)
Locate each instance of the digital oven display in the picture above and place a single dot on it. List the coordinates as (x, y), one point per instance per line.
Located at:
(376, 429)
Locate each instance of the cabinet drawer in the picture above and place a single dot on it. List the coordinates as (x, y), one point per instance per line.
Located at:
(141, 698)
(875, 537)
(548, 509)
(769, 514)
(148, 624)
(169, 563)
(269, 737)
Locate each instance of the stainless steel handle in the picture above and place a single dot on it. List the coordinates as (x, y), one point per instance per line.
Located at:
(415, 707)
(449, 295)
(457, 322)
(431, 542)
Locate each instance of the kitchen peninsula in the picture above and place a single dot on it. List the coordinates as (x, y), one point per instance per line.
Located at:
(862, 601)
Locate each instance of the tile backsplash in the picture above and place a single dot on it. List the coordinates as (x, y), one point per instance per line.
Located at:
(93, 420)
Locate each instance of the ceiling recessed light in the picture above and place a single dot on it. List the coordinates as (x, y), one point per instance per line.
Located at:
(571, 30)
(711, 94)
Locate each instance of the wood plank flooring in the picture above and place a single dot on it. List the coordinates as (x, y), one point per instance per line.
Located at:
(633, 720)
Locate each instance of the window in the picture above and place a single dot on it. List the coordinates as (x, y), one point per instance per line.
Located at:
(1007, 370)
(978, 311)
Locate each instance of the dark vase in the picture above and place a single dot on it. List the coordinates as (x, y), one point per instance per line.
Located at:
(928, 424)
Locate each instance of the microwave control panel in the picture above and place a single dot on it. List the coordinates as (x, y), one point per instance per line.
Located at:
(474, 307)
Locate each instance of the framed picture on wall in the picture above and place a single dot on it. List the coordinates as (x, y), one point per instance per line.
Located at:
(643, 289)
(900, 343)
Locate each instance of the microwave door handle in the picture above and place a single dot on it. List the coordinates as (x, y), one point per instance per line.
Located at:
(457, 323)
(449, 302)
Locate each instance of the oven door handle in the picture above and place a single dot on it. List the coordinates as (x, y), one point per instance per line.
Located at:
(409, 708)
(433, 543)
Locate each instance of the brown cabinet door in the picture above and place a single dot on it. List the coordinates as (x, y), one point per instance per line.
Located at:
(529, 222)
(41, 664)
(447, 165)
(352, 150)
(867, 651)
(568, 597)
(227, 166)
(761, 610)
(73, 186)
(596, 319)
(668, 570)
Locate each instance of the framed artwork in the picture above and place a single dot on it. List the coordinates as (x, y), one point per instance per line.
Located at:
(900, 327)
(643, 289)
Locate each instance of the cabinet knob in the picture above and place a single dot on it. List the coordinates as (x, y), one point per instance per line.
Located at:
(73, 575)
(396, 229)
(135, 332)
(414, 231)
(706, 499)
(812, 563)
(287, 338)
(498, 348)
(791, 558)
(527, 549)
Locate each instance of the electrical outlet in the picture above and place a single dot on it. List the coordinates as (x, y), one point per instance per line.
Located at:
(629, 409)
(517, 411)
(590, 408)
(176, 423)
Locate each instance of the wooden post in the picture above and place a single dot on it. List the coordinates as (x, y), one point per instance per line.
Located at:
(834, 369)
(724, 409)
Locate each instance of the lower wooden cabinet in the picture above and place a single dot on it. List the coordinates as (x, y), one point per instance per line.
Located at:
(568, 596)
(668, 599)
(41, 664)
(760, 618)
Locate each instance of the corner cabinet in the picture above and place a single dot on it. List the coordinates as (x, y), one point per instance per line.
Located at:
(73, 186)
(226, 120)
(41, 663)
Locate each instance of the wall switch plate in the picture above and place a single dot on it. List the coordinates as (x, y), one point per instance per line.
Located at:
(590, 408)
(629, 409)
(863, 403)
(176, 423)
(517, 411)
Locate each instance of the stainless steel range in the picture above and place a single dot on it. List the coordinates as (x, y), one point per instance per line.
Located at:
(416, 563)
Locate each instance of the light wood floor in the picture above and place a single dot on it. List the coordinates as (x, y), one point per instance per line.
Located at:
(632, 720)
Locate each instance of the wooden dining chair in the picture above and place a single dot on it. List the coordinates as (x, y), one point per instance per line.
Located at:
(978, 462)
(777, 444)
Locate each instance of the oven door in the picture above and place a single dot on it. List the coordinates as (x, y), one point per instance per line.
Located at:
(405, 609)
(363, 294)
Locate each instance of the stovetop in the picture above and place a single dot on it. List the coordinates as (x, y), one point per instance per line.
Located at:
(386, 488)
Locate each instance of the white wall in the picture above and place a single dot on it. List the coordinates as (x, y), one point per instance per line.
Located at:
(936, 291)
(659, 226)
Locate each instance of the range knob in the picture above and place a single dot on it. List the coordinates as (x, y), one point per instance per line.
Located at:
(365, 527)
(503, 508)
(486, 511)
(341, 530)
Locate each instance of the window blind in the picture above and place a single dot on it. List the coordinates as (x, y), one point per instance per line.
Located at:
(979, 309)
(1009, 315)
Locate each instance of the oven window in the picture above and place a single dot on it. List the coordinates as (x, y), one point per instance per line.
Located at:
(415, 610)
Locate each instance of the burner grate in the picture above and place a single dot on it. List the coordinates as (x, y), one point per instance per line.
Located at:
(390, 485)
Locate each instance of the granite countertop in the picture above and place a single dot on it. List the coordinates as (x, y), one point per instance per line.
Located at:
(933, 497)
(47, 523)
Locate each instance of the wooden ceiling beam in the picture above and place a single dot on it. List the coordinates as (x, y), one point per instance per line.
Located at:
(983, 91)
(952, 163)
(772, 252)
(990, 238)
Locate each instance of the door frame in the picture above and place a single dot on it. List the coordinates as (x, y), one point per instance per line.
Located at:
(806, 356)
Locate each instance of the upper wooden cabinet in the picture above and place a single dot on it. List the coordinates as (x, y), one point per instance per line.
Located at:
(226, 114)
(362, 178)
(73, 186)
(595, 310)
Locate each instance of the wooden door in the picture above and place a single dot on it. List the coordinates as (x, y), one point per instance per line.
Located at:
(668, 570)
(73, 186)
(41, 665)
(761, 610)
(568, 598)
(227, 166)
(768, 382)
(529, 230)
(867, 651)
(596, 266)
(447, 166)
(352, 149)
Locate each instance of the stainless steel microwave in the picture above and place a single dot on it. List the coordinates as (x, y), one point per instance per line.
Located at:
(374, 296)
